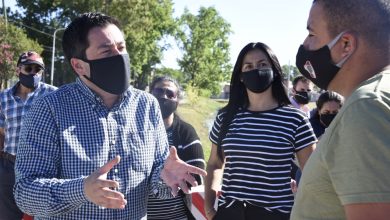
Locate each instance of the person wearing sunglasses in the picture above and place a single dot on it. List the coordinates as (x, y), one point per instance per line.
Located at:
(184, 137)
(14, 104)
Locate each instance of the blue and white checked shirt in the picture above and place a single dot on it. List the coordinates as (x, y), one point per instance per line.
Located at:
(70, 133)
(12, 110)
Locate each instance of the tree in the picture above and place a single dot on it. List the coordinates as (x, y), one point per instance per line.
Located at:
(290, 71)
(13, 41)
(174, 73)
(204, 42)
(144, 24)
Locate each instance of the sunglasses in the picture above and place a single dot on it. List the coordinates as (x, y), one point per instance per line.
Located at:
(161, 92)
(32, 69)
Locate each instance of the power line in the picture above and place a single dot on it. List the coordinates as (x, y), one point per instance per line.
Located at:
(34, 29)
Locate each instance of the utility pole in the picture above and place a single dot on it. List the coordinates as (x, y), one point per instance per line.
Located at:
(5, 16)
(53, 52)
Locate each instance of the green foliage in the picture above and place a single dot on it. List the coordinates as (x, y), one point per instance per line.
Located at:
(290, 71)
(174, 73)
(144, 23)
(192, 95)
(13, 42)
(204, 41)
(205, 93)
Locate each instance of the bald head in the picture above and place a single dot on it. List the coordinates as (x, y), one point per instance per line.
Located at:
(370, 19)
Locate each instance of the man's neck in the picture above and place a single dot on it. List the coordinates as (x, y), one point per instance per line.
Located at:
(168, 121)
(22, 91)
(366, 63)
(109, 99)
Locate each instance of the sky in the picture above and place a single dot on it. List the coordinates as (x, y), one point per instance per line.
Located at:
(281, 24)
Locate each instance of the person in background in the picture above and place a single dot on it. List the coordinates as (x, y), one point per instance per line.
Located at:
(328, 105)
(15, 102)
(96, 148)
(253, 140)
(347, 50)
(184, 138)
(301, 94)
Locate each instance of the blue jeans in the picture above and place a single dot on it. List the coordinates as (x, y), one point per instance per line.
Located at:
(8, 208)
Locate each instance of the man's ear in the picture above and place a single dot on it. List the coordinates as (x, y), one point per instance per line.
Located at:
(18, 71)
(349, 44)
(79, 67)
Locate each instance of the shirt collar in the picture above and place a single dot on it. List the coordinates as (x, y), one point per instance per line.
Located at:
(13, 89)
(85, 90)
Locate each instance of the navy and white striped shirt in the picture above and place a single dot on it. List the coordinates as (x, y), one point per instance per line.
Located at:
(70, 133)
(259, 148)
(184, 137)
(12, 110)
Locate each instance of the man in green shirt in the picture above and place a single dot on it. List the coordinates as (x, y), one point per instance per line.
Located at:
(348, 51)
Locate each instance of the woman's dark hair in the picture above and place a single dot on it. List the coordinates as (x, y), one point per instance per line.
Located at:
(238, 97)
(158, 79)
(327, 96)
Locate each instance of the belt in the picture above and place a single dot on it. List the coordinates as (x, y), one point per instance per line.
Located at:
(7, 156)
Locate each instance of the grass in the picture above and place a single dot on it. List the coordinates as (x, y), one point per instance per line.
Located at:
(201, 115)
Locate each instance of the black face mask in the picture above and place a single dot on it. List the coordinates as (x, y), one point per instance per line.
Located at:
(111, 74)
(317, 65)
(326, 119)
(258, 80)
(167, 107)
(302, 97)
(30, 81)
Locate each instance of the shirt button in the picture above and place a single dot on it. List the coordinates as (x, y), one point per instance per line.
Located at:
(113, 142)
(115, 170)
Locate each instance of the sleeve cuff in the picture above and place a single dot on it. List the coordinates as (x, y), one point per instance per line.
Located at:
(74, 191)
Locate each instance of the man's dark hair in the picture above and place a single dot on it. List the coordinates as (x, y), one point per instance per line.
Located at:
(370, 19)
(327, 96)
(164, 78)
(75, 38)
(299, 79)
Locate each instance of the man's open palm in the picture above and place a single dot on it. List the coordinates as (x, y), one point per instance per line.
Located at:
(177, 173)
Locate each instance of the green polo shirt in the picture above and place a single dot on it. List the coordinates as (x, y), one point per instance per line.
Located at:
(352, 161)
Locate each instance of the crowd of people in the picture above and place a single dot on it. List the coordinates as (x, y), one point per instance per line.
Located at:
(100, 149)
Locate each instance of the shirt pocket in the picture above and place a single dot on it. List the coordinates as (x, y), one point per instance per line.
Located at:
(141, 150)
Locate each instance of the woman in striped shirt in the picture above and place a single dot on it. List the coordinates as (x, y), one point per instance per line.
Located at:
(254, 138)
(184, 137)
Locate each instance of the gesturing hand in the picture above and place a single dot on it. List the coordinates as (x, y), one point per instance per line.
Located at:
(176, 173)
(97, 187)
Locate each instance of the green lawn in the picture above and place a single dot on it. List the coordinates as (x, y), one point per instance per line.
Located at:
(200, 116)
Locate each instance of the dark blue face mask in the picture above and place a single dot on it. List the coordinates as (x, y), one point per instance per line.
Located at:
(111, 74)
(30, 81)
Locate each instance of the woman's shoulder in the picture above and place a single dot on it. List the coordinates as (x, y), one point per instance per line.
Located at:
(290, 111)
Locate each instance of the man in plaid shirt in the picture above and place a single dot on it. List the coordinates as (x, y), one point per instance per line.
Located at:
(14, 103)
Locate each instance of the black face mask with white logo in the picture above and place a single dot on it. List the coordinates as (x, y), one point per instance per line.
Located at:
(317, 65)
(111, 74)
(258, 80)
